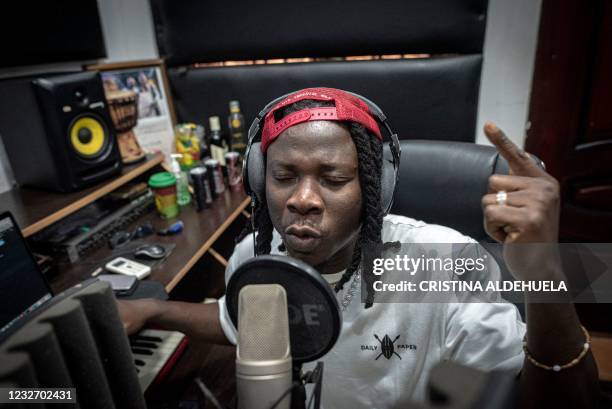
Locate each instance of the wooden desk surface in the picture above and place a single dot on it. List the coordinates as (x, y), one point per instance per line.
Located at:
(36, 209)
(200, 232)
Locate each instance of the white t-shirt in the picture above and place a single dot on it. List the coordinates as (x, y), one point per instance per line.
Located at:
(356, 375)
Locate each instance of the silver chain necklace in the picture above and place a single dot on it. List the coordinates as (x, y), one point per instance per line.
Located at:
(348, 297)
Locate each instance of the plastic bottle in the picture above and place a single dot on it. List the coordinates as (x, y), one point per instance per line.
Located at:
(182, 185)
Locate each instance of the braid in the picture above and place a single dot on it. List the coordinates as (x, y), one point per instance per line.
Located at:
(369, 154)
(264, 229)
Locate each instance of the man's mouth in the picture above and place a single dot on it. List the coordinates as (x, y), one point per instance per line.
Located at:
(302, 239)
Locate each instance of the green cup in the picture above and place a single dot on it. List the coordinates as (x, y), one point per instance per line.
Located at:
(163, 185)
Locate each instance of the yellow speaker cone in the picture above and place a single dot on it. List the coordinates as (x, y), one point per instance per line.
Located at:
(88, 136)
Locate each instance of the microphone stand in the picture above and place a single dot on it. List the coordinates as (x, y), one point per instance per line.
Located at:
(298, 396)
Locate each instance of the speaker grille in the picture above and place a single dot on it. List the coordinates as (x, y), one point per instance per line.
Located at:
(263, 323)
(89, 136)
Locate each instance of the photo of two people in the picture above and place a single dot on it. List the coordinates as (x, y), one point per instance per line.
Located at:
(144, 83)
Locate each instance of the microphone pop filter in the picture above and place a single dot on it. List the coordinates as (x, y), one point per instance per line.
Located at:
(314, 314)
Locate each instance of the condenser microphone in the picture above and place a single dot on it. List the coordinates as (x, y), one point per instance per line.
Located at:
(263, 356)
(313, 315)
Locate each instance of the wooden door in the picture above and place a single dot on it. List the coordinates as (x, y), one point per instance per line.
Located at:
(571, 112)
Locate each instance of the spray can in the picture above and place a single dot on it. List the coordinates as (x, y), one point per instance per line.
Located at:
(234, 177)
(215, 176)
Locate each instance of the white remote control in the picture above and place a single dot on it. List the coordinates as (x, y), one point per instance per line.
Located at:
(128, 267)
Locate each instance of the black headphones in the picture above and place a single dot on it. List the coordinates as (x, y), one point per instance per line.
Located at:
(254, 178)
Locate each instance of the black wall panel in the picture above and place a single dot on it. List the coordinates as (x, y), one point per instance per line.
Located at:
(43, 32)
(197, 31)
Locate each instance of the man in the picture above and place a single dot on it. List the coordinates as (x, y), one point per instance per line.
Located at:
(322, 205)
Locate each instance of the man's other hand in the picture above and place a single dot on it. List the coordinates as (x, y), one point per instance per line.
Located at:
(135, 313)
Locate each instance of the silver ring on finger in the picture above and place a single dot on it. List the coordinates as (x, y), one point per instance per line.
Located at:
(501, 198)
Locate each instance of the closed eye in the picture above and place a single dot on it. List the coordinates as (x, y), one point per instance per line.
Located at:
(336, 181)
(283, 177)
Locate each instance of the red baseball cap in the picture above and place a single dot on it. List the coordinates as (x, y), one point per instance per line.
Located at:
(347, 108)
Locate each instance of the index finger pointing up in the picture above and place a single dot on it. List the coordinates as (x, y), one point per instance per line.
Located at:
(519, 161)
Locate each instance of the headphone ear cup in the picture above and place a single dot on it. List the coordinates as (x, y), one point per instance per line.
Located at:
(256, 173)
(388, 179)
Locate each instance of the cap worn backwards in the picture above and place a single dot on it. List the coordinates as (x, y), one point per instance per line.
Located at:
(346, 107)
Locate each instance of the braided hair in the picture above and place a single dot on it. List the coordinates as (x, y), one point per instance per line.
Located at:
(369, 155)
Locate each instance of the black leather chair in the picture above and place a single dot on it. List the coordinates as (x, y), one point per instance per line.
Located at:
(443, 183)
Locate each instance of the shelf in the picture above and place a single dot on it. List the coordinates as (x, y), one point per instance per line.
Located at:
(201, 230)
(35, 209)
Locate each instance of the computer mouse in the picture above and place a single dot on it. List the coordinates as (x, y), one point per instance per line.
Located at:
(150, 252)
(119, 239)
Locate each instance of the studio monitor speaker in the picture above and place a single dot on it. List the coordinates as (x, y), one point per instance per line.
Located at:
(57, 131)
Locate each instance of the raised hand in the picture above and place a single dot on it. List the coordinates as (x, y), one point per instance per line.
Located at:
(522, 207)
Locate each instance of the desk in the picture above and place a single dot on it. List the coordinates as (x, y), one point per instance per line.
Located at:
(36, 210)
(201, 230)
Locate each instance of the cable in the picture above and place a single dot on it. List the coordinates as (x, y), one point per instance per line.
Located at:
(307, 378)
(288, 391)
(208, 394)
(311, 400)
(253, 225)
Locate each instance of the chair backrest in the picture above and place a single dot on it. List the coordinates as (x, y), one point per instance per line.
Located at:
(443, 183)
(434, 99)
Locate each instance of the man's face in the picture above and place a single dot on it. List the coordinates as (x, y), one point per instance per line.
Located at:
(313, 193)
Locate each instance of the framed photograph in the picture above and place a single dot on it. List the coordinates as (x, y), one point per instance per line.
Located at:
(141, 107)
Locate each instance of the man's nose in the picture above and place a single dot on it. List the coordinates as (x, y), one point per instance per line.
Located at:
(306, 198)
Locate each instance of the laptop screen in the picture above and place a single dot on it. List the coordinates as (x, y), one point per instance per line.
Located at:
(22, 285)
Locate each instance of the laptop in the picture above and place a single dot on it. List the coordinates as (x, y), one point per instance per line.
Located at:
(23, 287)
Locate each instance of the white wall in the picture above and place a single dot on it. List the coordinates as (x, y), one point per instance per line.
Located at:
(511, 37)
(128, 30)
(509, 54)
(127, 26)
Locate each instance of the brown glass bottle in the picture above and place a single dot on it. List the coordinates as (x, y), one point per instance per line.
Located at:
(236, 128)
(218, 145)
